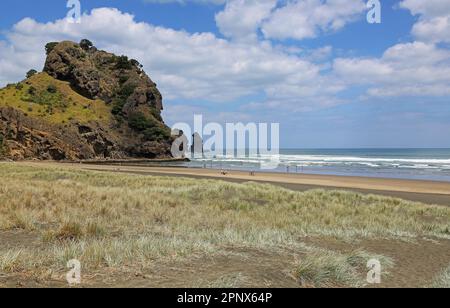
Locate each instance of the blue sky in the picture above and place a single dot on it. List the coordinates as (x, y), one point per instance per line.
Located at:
(317, 67)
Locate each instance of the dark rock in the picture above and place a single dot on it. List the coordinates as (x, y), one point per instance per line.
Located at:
(95, 74)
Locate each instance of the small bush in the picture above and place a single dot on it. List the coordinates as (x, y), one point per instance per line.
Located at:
(156, 113)
(126, 90)
(118, 105)
(86, 44)
(122, 62)
(50, 46)
(31, 73)
(123, 78)
(52, 89)
(69, 231)
(156, 134)
(151, 129)
(136, 63)
(121, 98)
(138, 121)
(32, 91)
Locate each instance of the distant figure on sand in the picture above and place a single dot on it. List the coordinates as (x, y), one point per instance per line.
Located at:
(223, 172)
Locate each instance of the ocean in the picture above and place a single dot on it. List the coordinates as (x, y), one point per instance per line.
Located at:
(421, 164)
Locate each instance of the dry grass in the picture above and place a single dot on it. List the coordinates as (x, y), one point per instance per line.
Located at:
(443, 280)
(116, 220)
(325, 268)
(231, 281)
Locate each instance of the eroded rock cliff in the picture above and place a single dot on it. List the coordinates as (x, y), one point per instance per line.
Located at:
(86, 104)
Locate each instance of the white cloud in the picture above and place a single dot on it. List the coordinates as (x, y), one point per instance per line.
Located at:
(415, 69)
(216, 2)
(434, 19)
(428, 8)
(241, 19)
(185, 66)
(295, 19)
(411, 69)
(302, 19)
(203, 67)
(433, 30)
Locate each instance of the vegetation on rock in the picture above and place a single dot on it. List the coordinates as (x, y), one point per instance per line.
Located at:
(2, 145)
(83, 86)
(86, 44)
(50, 46)
(31, 73)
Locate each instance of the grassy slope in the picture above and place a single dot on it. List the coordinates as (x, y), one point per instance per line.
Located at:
(65, 104)
(124, 221)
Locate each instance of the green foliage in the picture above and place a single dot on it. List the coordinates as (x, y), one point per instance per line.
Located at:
(151, 129)
(118, 105)
(156, 133)
(19, 87)
(50, 46)
(123, 78)
(32, 91)
(31, 73)
(126, 90)
(49, 98)
(156, 113)
(139, 122)
(136, 63)
(2, 145)
(52, 89)
(86, 44)
(121, 98)
(122, 62)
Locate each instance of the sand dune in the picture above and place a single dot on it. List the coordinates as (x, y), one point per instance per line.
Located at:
(415, 190)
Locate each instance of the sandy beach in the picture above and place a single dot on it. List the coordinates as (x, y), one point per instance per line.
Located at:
(431, 192)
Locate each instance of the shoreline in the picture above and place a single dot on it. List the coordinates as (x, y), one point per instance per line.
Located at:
(430, 192)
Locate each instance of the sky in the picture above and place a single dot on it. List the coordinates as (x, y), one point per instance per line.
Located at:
(317, 67)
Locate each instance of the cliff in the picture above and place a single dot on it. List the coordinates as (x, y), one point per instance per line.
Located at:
(86, 104)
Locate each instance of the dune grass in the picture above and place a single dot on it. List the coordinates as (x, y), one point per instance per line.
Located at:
(443, 280)
(325, 268)
(118, 220)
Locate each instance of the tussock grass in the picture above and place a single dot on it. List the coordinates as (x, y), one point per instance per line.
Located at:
(119, 220)
(323, 268)
(9, 261)
(443, 280)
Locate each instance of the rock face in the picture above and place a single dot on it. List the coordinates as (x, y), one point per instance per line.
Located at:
(131, 128)
(98, 74)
